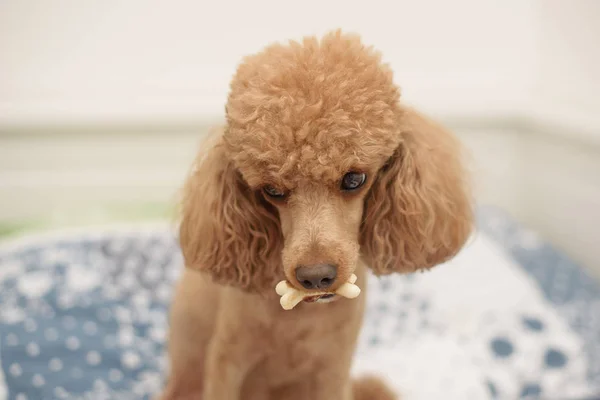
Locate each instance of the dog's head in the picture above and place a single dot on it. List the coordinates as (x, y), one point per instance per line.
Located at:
(318, 165)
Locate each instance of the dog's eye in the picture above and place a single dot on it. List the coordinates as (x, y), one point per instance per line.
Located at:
(353, 180)
(273, 192)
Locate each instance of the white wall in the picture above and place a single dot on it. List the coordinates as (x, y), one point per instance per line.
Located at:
(69, 61)
(566, 89)
(143, 62)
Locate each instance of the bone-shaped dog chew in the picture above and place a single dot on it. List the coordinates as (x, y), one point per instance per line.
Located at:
(290, 296)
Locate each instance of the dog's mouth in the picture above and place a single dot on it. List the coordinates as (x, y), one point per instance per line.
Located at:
(322, 298)
(291, 296)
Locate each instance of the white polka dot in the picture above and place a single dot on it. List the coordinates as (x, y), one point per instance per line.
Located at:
(128, 281)
(115, 375)
(51, 334)
(66, 301)
(76, 373)
(158, 334)
(12, 339)
(100, 385)
(151, 381)
(130, 360)
(38, 380)
(60, 392)
(72, 343)
(35, 284)
(103, 314)
(163, 293)
(15, 370)
(30, 325)
(141, 299)
(33, 349)
(13, 315)
(123, 315)
(82, 279)
(21, 396)
(152, 274)
(126, 336)
(93, 358)
(139, 390)
(90, 328)
(55, 364)
(69, 322)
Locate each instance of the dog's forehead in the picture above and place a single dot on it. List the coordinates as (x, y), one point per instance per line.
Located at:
(283, 144)
(290, 162)
(319, 141)
(315, 110)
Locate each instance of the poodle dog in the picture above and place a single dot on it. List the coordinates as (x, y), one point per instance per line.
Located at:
(318, 173)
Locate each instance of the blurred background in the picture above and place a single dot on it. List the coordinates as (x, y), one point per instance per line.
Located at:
(102, 108)
(102, 103)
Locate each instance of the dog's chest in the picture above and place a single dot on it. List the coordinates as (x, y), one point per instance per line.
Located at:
(303, 342)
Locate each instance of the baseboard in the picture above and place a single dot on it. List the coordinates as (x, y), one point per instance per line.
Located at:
(566, 121)
(569, 123)
(477, 104)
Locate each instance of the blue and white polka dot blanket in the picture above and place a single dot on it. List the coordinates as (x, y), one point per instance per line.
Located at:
(83, 315)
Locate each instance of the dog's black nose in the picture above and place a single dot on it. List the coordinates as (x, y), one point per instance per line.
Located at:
(319, 276)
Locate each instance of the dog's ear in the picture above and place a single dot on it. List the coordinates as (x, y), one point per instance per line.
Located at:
(418, 212)
(227, 229)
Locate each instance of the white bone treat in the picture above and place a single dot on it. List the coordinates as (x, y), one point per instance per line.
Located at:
(290, 296)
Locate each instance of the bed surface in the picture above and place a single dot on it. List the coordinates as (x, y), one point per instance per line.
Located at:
(83, 316)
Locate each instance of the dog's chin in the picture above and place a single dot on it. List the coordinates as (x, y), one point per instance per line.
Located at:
(327, 298)
(324, 298)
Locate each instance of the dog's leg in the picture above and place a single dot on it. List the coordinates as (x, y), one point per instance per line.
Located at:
(316, 388)
(324, 387)
(333, 384)
(302, 392)
(192, 320)
(371, 388)
(328, 379)
(238, 345)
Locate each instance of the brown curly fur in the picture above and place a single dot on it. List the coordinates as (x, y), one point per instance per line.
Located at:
(299, 117)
